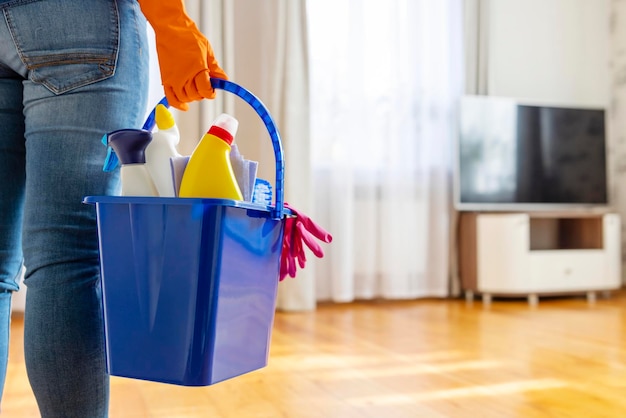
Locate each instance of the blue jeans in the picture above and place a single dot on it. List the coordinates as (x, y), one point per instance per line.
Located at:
(70, 71)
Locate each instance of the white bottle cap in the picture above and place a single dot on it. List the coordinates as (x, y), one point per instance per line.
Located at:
(225, 128)
(228, 123)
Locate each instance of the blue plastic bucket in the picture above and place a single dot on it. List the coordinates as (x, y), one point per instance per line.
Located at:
(189, 285)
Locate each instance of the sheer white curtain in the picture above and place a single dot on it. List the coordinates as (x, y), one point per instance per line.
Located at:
(385, 78)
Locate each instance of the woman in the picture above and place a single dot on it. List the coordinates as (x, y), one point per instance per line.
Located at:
(71, 71)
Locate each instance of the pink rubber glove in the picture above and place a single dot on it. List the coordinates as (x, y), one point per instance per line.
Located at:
(287, 261)
(299, 230)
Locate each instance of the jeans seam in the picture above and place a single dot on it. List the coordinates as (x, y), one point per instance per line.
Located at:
(115, 22)
(63, 59)
(136, 23)
(15, 2)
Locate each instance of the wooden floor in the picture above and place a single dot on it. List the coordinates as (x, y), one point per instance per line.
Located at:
(428, 358)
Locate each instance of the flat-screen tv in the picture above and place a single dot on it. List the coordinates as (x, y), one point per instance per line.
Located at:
(512, 155)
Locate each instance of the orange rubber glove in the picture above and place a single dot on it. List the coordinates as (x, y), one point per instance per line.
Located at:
(186, 57)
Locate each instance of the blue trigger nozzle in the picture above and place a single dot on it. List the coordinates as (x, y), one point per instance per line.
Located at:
(111, 161)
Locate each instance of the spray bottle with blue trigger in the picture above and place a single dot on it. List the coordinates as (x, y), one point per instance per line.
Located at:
(128, 147)
(111, 161)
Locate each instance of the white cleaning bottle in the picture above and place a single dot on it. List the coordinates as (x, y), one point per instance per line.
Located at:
(129, 146)
(161, 149)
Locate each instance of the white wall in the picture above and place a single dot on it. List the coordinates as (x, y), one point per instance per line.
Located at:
(550, 50)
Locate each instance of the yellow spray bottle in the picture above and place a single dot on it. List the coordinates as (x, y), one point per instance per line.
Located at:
(209, 173)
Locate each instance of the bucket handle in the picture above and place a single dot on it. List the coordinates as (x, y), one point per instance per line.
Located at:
(265, 116)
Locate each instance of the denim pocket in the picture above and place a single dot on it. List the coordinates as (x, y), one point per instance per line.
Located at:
(66, 44)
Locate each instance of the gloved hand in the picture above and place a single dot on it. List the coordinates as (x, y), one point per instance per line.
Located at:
(186, 58)
(300, 229)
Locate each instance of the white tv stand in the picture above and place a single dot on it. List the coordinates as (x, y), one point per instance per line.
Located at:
(534, 254)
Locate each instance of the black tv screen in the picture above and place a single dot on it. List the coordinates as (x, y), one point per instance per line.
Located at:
(512, 154)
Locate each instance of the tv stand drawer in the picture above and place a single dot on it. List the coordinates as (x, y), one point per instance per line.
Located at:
(562, 270)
